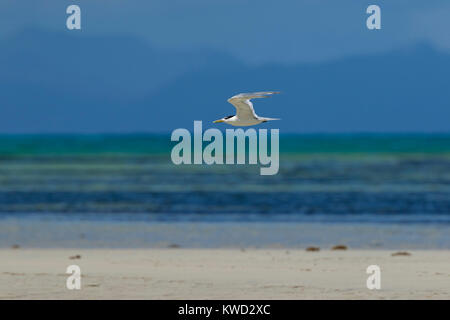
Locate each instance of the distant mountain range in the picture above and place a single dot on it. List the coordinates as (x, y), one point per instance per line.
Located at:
(71, 82)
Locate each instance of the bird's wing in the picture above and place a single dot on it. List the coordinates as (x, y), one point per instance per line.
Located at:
(243, 105)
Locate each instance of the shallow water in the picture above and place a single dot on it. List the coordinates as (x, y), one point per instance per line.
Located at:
(50, 232)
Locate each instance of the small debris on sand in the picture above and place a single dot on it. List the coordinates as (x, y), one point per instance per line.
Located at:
(15, 246)
(173, 245)
(400, 253)
(339, 247)
(312, 249)
(75, 257)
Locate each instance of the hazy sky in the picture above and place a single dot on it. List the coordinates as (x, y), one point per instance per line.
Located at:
(105, 78)
(255, 31)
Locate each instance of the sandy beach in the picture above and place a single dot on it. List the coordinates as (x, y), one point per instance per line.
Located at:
(223, 274)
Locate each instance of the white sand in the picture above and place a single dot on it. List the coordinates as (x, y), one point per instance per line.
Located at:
(222, 274)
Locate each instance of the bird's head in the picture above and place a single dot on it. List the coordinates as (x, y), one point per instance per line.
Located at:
(223, 119)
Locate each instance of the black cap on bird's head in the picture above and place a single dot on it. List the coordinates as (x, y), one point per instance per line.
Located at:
(223, 119)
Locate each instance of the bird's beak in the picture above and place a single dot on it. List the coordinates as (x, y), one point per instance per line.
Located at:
(217, 121)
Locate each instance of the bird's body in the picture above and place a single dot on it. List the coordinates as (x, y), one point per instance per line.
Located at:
(245, 114)
(237, 122)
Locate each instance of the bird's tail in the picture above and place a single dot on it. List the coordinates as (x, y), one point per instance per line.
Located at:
(269, 119)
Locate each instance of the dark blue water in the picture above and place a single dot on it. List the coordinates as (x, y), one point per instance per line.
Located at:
(377, 176)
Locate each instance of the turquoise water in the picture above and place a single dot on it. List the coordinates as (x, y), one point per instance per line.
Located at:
(387, 181)
(160, 144)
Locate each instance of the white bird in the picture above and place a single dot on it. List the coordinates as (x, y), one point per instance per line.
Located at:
(245, 114)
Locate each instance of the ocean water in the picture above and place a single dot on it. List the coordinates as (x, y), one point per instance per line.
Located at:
(63, 189)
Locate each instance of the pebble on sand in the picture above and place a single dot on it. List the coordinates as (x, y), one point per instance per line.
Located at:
(313, 249)
(339, 247)
(400, 253)
(75, 257)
